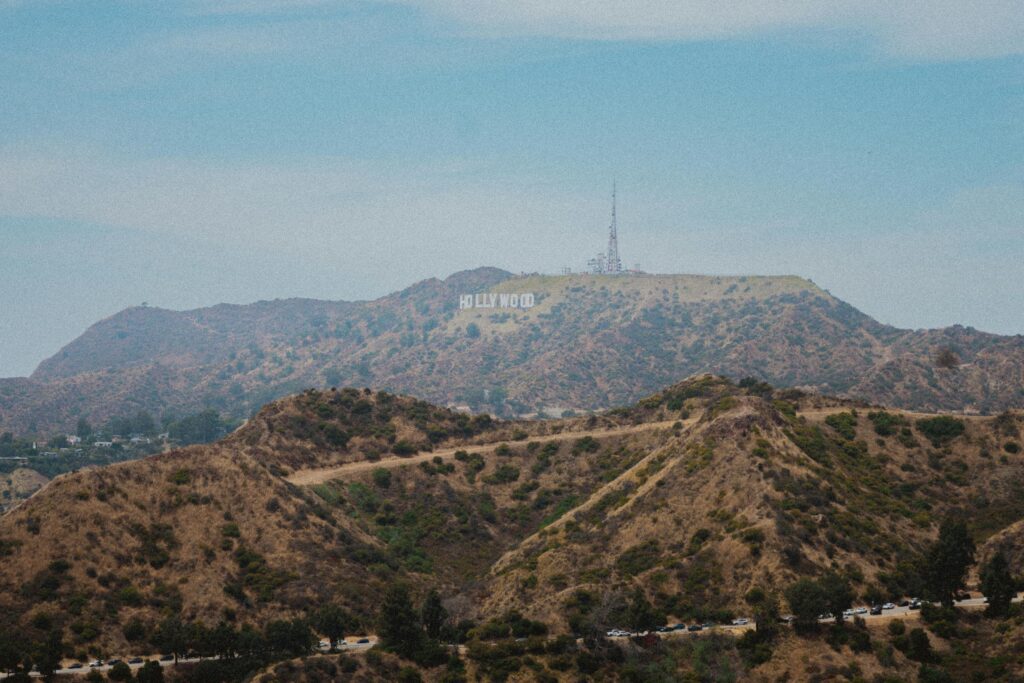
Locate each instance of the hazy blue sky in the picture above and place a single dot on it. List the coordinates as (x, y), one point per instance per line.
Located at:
(188, 153)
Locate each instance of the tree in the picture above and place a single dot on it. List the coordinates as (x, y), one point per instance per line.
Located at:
(83, 429)
(997, 585)
(806, 601)
(472, 330)
(250, 642)
(947, 561)
(290, 637)
(433, 614)
(947, 359)
(766, 616)
(151, 672)
(919, 648)
(172, 637)
(398, 622)
(838, 594)
(641, 615)
(224, 641)
(332, 621)
(120, 672)
(10, 652)
(144, 423)
(48, 654)
(134, 630)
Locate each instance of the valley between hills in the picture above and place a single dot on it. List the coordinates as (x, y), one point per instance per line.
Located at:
(702, 502)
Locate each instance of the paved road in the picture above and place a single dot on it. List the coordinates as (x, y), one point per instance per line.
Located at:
(350, 645)
(319, 476)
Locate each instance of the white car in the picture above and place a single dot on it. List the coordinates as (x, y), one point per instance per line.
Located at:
(861, 610)
(740, 622)
(617, 633)
(888, 605)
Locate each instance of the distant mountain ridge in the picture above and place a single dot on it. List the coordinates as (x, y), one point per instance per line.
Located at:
(590, 342)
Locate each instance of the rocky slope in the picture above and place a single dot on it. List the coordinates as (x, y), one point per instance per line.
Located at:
(690, 498)
(590, 342)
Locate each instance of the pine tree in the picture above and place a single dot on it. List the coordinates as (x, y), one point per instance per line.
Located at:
(947, 561)
(398, 622)
(433, 614)
(997, 585)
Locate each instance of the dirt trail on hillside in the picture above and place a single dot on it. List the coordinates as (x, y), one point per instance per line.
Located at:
(319, 476)
(832, 410)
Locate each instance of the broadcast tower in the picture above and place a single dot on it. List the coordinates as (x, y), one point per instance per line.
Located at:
(612, 263)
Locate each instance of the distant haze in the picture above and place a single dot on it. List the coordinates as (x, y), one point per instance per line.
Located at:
(236, 150)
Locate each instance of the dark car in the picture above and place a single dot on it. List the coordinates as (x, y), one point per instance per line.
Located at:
(75, 665)
(678, 627)
(664, 629)
(135, 660)
(876, 609)
(167, 658)
(363, 641)
(112, 662)
(904, 603)
(694, 627)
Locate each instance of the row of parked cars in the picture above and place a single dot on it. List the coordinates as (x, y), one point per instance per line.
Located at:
(97, 663)
(913, 603)
(619, 633)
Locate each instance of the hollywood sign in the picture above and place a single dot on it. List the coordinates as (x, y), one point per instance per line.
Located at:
(494, 300)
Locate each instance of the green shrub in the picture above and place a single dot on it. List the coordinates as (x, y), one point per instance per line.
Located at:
(505, 474)
(639, 558)
(587, 444)
(844, 423)
(941, 429)
(886, 424)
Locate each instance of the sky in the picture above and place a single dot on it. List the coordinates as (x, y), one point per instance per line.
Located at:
(191, 152)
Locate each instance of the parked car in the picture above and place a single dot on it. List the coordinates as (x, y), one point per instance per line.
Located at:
(876, 609)
(888, 605)
(861, 610)
(904, 603)
(167, 658)
(740, 622)
(915, 604)
(695, 627)
(363, 641)
(95, 663)
(135, 660)
(75, 665)
(678, 627)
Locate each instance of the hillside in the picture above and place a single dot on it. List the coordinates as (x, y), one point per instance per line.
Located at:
(690, 499)
(590, 342)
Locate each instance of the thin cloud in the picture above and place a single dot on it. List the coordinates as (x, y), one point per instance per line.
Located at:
(917, 30)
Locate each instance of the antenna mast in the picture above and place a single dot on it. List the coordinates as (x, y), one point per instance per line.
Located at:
(612, 264)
